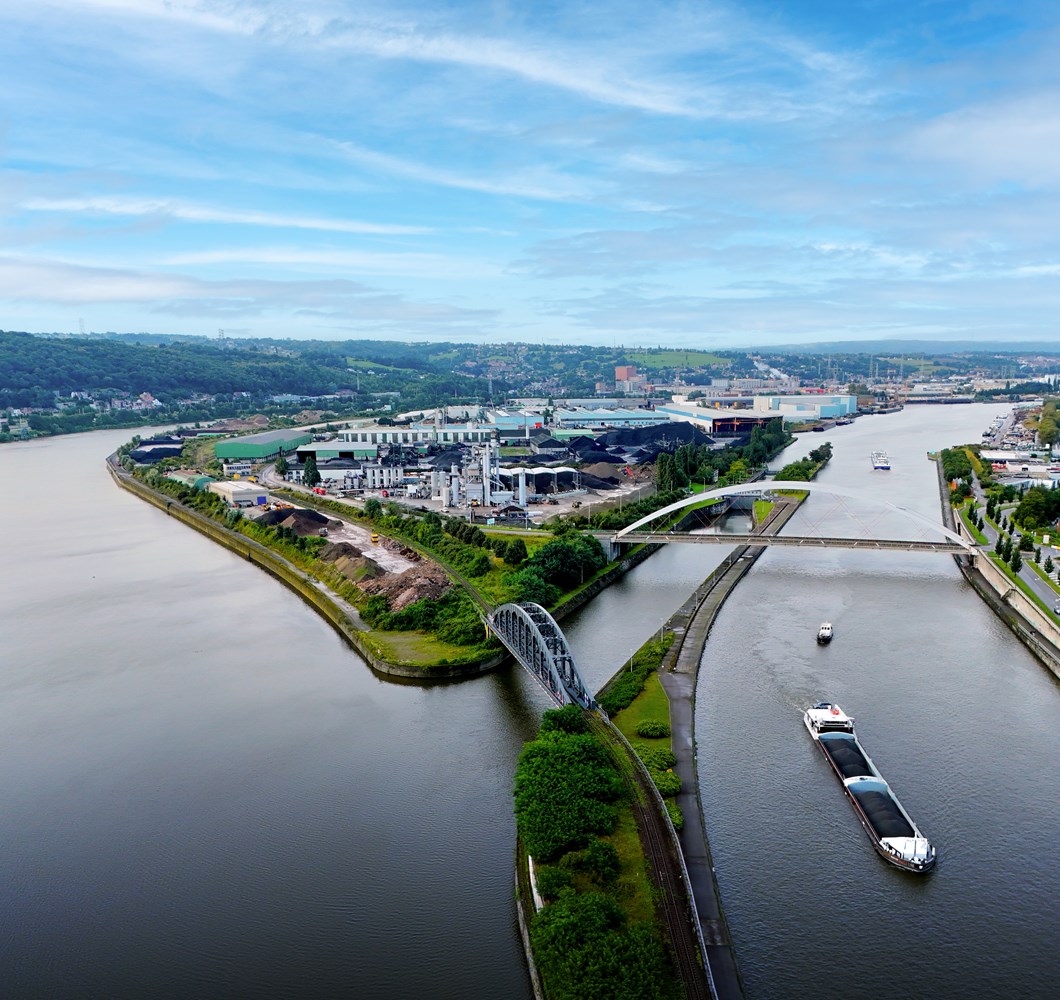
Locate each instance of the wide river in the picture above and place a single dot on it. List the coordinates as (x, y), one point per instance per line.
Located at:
(206, 793)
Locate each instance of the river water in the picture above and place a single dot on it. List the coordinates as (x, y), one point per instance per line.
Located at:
(206, 793)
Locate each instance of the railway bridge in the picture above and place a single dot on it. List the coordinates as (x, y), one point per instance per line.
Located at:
(532, 636)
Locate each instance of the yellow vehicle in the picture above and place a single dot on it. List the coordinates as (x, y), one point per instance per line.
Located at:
(375, 539)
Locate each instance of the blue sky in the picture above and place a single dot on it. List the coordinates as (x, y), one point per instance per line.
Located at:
(703, 174)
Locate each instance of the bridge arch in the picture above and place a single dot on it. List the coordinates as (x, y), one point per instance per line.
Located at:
(769, 485)
(532, 636)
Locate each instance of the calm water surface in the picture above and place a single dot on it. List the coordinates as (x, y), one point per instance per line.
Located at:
(206, 793)
(956, 714)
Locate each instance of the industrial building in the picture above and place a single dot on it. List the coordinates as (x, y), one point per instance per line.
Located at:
(239, 494)
(191, 478)
(262, 447)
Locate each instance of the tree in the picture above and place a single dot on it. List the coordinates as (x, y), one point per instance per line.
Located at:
(281, 465)
(311, 477)
(373, 509)
(1016, 562)
(1048, 565)
(515, 553)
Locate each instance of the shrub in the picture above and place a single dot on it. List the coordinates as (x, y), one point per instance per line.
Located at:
(569, 719)
(677, 817)
(667, 782)
(586, 950)
(657, 758)
(650, 729)
(551, 882)
(564, 787)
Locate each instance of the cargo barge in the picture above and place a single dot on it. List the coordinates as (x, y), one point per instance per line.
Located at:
(880, 460)
(890, 828)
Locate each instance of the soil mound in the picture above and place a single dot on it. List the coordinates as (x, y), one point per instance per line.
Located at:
(407, 588)
(303, 522)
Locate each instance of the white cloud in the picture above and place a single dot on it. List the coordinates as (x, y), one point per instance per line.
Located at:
(541, 184)
(201, 213)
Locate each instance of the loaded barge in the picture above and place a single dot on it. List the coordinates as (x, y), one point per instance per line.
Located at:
(890, 828)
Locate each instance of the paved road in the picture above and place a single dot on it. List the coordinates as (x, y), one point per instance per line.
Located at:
(1048, 594)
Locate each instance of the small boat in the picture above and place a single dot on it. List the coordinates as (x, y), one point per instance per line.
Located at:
(880, 460)
(890, 828)
(824, 633)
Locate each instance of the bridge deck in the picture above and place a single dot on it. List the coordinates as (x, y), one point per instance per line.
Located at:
(791, 541)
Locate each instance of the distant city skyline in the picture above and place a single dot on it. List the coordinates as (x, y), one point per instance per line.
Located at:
(685, 174)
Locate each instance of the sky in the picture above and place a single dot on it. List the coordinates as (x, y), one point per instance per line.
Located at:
(688, 174)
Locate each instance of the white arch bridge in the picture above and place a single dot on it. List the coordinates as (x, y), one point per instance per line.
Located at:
(950, 542)
(532, 636)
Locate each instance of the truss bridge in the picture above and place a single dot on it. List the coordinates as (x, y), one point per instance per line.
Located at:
(532, 636)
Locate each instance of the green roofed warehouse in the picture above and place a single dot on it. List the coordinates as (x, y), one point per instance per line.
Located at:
(262, 447)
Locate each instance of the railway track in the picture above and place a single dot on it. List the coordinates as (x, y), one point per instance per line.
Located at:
(672, 902)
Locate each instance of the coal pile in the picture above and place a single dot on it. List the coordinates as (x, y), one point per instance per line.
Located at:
(302, 522)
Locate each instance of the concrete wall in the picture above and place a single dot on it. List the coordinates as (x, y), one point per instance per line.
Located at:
(1034, 627)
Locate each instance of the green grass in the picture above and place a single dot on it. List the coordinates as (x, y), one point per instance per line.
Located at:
(651, 705)
(632, 889)
(762, 509)
(676, 359)
(419, 648)
(972, 529)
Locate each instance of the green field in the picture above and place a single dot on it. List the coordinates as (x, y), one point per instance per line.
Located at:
(676, 359)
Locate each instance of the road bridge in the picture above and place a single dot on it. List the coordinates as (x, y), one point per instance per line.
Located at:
(790, 541)
(950, 543)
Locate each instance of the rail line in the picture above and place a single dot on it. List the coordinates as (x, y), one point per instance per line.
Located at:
(672, 904)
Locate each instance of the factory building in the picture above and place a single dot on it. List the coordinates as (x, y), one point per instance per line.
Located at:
(239, 493)
(264, 447)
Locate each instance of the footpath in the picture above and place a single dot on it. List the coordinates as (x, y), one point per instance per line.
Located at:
(691, 625)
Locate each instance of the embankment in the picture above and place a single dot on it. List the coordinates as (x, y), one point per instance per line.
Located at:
(336, 612)
(1031, 625)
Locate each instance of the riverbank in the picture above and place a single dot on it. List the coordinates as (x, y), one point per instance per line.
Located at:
(340, 615)
(1026, 620)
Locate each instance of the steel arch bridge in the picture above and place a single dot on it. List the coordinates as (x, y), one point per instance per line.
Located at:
(767, 486)
(532, 636)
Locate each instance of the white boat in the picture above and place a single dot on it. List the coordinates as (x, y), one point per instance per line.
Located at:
(890, 828)
(880, 460)
(824, 633)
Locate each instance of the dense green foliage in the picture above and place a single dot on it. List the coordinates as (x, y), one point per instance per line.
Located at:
(453, 617)
(627, 684)
(564, 789)
(585, 949)
(584, 944)
(956, 464)
(1039, 507)
(804, 469)
(651, 729)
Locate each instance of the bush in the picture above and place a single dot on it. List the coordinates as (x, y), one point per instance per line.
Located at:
(552, 882)
(677, 817)
(657, 758)
(564, 787)
(652, 730)
(585, 950)
(568, 719)
(667, 782)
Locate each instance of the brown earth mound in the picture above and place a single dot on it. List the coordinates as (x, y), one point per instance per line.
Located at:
(407, 588)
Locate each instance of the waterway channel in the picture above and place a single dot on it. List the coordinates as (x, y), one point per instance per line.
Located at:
(207, 793)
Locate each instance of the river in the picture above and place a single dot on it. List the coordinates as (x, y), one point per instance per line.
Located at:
(207, 793)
